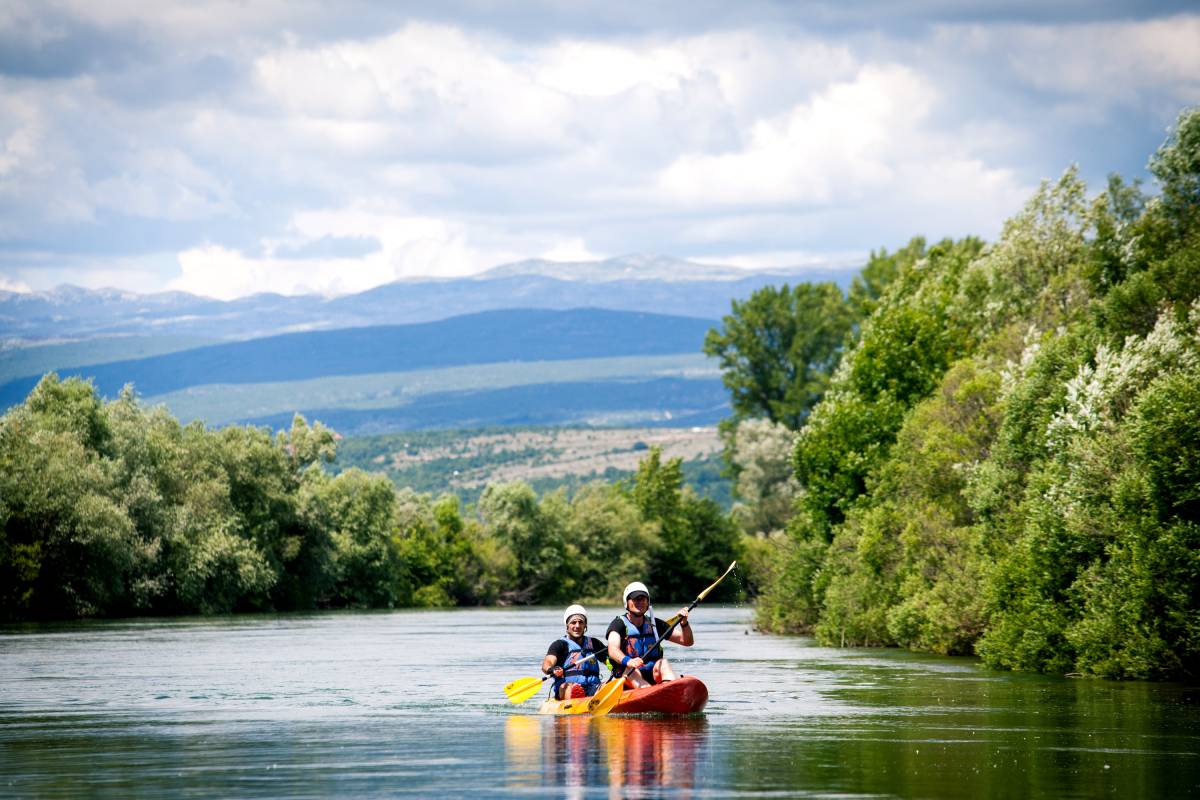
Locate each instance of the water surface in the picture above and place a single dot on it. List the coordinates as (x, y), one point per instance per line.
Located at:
(409, 703)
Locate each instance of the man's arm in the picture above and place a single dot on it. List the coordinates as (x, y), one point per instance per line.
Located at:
(617, 657)
(550, 663)
(683, 631)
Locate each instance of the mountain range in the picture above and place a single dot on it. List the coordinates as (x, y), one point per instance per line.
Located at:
(655, 284)
(615, 342)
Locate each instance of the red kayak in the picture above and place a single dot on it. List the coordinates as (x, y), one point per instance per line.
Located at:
(686, 695)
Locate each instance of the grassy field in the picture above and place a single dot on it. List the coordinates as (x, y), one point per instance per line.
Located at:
(220, 404)
(464, 462)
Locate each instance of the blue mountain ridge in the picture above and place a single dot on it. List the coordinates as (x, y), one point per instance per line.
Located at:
(485, 337)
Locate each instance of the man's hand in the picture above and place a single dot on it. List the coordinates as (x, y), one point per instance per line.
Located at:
(556, 672)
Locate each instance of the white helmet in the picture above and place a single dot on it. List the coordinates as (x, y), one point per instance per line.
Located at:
(633, 588)
(572, 610)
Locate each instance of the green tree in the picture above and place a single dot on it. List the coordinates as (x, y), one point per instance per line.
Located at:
(696, 540)
(534, 533)
(778, 348)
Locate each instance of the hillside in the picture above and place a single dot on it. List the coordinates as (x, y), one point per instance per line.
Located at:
(488, 337)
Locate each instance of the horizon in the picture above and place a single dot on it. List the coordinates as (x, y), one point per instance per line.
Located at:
(789, 270)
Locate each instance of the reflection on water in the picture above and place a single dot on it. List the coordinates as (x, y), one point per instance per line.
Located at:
(410, 704)
(633, 756)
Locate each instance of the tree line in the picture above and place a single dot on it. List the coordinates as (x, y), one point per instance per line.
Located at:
(111, 508)
(1005, 459)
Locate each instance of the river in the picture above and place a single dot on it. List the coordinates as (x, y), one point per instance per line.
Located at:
(410, 703)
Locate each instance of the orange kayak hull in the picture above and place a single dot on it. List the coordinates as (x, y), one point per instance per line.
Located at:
(686, 695)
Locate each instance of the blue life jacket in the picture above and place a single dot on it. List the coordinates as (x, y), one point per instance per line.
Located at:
(639, 639)
(588, 673)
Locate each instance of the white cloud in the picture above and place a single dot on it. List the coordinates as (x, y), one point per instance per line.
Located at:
(428, 88)
(772, 259)
(570, 250)
(11, 285)
(595, 69)
(863, 145)
(410, 247)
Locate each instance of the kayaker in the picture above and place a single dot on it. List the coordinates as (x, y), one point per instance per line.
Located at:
(565, 654)
(631, 634)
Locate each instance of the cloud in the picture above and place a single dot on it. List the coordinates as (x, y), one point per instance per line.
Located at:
(10, 285)
(403, 247)
(164, 184)
(281, 146)
(854, 148)
(1108, 62)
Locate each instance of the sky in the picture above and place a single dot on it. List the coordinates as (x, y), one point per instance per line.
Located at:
(226, 148)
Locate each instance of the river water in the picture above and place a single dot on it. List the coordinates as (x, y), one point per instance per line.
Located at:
(410, 703)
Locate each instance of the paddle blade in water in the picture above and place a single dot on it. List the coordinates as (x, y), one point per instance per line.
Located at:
(607, 698)
(522, 689)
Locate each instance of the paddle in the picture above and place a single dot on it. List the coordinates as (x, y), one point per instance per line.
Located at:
(522, 689)
(609, 695)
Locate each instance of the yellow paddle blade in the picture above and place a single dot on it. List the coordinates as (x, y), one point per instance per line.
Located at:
(607, 698)
(703, 594)
(522, 689)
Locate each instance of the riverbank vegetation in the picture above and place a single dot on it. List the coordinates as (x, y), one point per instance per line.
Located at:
(1006, 460)
(113, 508)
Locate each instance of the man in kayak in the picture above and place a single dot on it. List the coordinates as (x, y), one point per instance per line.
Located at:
(565, 659)
(631, 635)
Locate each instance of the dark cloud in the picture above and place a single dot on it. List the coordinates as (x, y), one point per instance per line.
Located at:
(548, 19)
(54, 47)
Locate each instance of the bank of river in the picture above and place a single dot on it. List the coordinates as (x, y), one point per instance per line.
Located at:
(410, 703)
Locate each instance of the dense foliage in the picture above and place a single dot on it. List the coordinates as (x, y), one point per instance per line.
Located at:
(1006, 459)
(113, 508)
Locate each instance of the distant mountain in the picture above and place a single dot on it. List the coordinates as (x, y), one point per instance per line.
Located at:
(483, 338)
(632, 283)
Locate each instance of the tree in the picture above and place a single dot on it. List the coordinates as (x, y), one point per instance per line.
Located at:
(534, 534)
(697, 541)
(880, 270)
(761, 452)
(778, 348)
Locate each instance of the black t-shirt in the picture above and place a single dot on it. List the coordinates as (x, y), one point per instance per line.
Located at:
(558, 648)
(618, 625)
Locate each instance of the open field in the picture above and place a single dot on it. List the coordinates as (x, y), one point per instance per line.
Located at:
(464, 462)
(558, 453)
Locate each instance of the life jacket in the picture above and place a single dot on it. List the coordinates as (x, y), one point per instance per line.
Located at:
(588, 674)
(639, 639)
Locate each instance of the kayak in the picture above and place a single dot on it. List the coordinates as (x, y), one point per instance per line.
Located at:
(686, 695)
